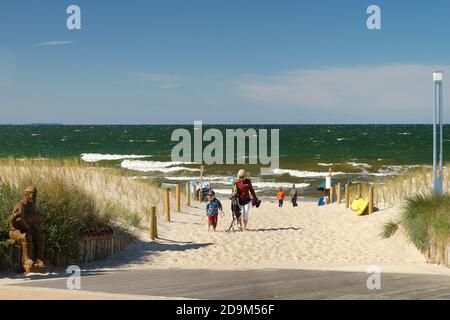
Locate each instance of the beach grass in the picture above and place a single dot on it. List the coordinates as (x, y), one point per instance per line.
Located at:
(426, 222)
(390, 191)
(70, 192)
(113, 189)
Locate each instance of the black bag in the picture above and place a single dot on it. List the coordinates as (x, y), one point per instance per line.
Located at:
(235, 207)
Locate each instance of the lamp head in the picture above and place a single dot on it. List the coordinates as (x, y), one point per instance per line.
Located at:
(437, 76)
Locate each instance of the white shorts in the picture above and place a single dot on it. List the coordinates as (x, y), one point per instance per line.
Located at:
(245, 210)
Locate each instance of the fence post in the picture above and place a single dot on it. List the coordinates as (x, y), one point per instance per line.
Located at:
(339, 193)
(178, 197)
(194, 191)
(347, 196)
(153, 225)
(201, 184)
(188, 195)
(359, 191)
(167, 205)
(371, 200)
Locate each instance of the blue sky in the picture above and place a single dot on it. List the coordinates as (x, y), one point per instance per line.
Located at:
(221, 61)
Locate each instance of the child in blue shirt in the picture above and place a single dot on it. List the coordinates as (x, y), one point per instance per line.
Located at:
(213, 207)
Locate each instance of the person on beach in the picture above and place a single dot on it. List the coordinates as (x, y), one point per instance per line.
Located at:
(328, 182)
(213, 207)
(243, 189)
(280, 197)
(293, 194)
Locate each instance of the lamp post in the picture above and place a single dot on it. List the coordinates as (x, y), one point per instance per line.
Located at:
(437, 120)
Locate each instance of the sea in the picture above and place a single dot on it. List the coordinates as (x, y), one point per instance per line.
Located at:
(356, 153)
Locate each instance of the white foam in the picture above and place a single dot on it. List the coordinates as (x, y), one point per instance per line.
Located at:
(94, 157)
(32, 159)
(303, 174)
(220, 179)
(359, 164)
(223, 191)
(274, 185)
(325, 164)
(160, 166)
(142, 177)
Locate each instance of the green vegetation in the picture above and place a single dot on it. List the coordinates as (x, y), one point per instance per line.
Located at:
(74, 198)
(426, 221)
(66, 209)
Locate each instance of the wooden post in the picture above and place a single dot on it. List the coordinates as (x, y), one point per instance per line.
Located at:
(359, 195)
(167, 205)
(194, 191)
(331, 195)
(178, 197)
(371, 200)
(188, 195)
(153, 225)
(201, 184)
(339, 193)
(347, 196)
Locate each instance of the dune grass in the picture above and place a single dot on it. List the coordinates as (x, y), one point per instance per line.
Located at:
(426, 222)
(113, 190)
(70, 192)
(390, 191)
(66, 209)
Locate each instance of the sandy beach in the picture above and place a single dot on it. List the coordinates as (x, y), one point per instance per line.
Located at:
(306, 237)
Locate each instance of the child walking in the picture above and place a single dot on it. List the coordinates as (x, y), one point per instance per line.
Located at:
(213, 207)
(280, 197)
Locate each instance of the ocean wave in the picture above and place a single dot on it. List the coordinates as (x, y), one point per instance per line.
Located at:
(322, 164)
(94, 157)
(303, 174)
(148, 166)
(222, 191)
(32, 159)
(274, 185)
(360, 164)
(219, 179)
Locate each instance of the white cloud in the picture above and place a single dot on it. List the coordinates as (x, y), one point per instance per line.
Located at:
(52, 43)
(371, 89)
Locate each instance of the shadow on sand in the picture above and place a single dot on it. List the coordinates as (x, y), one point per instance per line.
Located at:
(139, 252)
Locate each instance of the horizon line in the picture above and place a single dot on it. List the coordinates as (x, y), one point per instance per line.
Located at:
(210, 124)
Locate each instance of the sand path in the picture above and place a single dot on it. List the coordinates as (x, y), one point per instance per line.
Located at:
(305, 237)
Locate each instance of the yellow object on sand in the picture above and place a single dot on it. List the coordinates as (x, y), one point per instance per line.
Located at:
(360, 206)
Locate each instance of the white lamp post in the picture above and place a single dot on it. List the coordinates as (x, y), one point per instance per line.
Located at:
(437, 119)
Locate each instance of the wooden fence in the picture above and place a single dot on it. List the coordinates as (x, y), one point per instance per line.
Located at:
(90, 248)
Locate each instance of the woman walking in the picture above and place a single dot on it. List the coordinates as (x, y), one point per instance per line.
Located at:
(244, 189)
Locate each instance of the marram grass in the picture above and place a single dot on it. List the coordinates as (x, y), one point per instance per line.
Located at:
(69, 192)
(426, 222)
